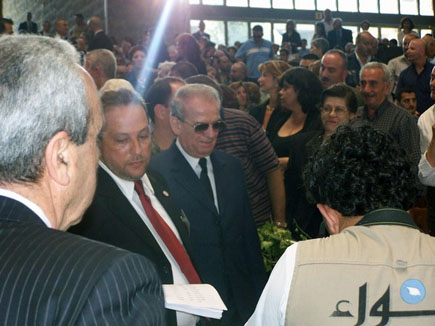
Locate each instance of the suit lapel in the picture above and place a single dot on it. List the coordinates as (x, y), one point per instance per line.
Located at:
(122, 208)
(186, 177)
(164, 197)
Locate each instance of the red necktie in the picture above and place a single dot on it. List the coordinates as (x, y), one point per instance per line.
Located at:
(168, 237)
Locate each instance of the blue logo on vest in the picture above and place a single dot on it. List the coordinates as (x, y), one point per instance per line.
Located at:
(412, 291)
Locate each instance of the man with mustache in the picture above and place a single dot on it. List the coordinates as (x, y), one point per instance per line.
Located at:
(382, 114)
(333, 68)
(132, 208)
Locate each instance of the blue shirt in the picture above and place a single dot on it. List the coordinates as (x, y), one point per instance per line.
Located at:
(254, 54)
(421, 84)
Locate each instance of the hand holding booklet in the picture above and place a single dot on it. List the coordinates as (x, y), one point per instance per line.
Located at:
(197, 299)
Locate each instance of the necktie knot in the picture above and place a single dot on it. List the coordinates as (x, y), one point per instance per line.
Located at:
(203, 164)
(138, 187)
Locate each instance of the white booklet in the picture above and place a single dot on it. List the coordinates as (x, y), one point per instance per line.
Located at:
(196, 299)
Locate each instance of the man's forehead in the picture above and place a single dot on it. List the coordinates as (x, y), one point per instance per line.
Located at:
(372, 74)
(408, 95)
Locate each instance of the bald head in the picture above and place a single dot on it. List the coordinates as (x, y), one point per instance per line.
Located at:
(366, 44)
(95, 23)
(416, 52)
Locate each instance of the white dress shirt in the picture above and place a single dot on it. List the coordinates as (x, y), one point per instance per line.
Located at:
(127, 188)
(194, 163)
(272, 306)
(28, 203)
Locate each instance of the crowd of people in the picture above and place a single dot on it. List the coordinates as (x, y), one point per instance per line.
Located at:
(200, 146)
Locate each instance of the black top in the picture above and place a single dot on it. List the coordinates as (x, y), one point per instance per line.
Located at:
(277, 116)
(300, 213)
(282, 144)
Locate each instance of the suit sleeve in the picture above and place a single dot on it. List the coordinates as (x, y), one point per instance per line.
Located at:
(128, 293)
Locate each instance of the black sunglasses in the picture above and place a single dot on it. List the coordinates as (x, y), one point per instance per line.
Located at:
(201, 126)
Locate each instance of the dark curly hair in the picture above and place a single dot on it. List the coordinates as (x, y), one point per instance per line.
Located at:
(307, 86)
(358, 170)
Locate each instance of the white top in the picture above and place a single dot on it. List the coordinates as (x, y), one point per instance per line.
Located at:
(127, 188)
(426, 172)
(329, 26)
(272, 306)
(396, 66)
(194, 163)
(26, 202)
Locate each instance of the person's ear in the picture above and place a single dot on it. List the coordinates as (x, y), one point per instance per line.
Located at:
(57, 158)
(175, 125)
(331, 217)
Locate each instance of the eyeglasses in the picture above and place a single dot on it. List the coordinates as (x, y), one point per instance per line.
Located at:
(201, 127)
(337, 109)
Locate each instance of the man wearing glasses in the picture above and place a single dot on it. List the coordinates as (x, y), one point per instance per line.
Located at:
(208, 185)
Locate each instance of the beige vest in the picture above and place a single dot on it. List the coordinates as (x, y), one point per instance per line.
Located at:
(366, 275)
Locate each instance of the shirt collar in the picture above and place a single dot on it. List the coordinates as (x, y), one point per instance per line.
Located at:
(28, 203)
(127, 186)
(378, 112)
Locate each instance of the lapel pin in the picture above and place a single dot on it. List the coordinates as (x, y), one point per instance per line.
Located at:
(165, 193)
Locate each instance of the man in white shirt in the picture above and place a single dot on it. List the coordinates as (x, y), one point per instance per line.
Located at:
(118, 215)
(48, 161)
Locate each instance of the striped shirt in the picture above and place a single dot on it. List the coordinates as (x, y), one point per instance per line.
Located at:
(245, 139)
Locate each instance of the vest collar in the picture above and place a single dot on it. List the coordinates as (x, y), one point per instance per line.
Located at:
(388, 216)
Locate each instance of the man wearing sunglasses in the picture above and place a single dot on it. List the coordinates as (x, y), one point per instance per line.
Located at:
(209, 186)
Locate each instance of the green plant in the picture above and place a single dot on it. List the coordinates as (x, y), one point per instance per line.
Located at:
(273, 241)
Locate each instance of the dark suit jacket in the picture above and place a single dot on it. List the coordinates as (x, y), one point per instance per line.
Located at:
(25, 28)
(225, 243)
(49, 277)
(335, 41)
(100, 41)
(198, 35)
(112, 219)
(353, 69)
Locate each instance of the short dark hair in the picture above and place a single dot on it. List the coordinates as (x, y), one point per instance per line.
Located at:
(358, 170)
(404, 19)
(342, 91)
(120, 97)
(205, 80)
(306, 84)
(160, 93)
(258, 28)
(407, 89)
(135, 49)
(310, 56)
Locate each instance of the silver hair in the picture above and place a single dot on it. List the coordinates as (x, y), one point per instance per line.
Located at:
(41, 93)
(105, 58)
(189, 91)
(378, 65)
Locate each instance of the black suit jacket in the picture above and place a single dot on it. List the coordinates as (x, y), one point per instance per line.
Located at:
(225, 243)
(335, 41)
(112, 219)
(25, 28)
(49, 277)
(100, 41)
